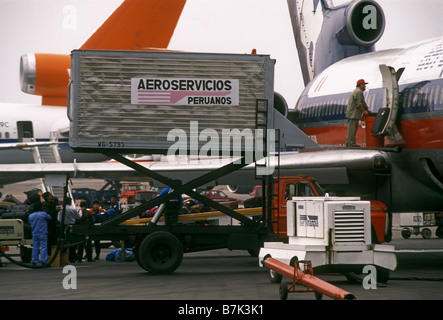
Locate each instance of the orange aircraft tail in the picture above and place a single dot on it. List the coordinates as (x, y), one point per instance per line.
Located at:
(138, 25)
(135, 25)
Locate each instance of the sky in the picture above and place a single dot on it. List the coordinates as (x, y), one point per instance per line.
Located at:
(224, 26)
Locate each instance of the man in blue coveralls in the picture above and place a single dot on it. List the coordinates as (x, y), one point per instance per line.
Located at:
(171, 207)
(38, 220)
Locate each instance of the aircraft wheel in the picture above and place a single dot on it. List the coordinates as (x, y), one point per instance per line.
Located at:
(160, 253)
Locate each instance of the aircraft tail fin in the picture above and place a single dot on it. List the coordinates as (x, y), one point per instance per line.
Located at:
(136, 25)
(325, 34)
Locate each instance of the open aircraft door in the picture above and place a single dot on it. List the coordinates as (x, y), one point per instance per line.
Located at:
(387, 115)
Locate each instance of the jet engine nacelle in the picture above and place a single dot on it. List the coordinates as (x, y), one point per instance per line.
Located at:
(280, 104)
(46, 75)
(364, 24)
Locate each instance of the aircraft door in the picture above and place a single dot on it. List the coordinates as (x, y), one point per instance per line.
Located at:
(387, 115)
(25, 131)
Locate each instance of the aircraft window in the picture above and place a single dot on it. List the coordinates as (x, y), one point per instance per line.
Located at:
(437, 91)
(410, 93)
(419, 99)
(0, 135)
(424, 101)
(431, 96)
(7, 135)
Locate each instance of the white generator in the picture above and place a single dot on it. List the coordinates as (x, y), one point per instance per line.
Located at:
(334, 233)
(11, 231)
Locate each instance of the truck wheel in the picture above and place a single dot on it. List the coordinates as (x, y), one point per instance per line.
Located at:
(160, 253)
(406, 233)
(382, 275)
(283, 291)
(426, 233)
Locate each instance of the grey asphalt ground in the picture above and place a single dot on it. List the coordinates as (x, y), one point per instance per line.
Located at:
(217, 276)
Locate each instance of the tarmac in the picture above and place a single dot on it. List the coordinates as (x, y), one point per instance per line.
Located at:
(215, 277)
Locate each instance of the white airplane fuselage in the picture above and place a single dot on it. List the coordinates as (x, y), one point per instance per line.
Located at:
(22, 123)
(417, 169)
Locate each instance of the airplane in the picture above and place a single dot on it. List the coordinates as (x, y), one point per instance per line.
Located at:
(335, 51)
(403, 172)
(133, 25)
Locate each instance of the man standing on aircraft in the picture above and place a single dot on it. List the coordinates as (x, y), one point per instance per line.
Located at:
(356, 107)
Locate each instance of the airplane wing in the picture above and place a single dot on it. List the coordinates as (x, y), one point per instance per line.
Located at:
(22, 145)
(343, 168)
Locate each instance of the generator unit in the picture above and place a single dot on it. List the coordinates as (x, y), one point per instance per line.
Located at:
(11, 232)
(334, 233)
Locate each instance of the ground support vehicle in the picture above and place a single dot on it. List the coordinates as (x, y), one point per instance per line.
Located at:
(302, 185)
(417, 223)
(124, 102)
(334, 234)
(159, 248)
(199, 91)
(135, 192)
(12, 233)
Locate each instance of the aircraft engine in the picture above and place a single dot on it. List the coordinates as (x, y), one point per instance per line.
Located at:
(241, 189)
(364, 24)
(46, 75)
(280, 104)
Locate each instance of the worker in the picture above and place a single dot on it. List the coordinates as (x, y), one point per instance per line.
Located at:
(86, 219)
(356, 107)
(38, 220)
(71, 215)
(98, 214)
(171, 207)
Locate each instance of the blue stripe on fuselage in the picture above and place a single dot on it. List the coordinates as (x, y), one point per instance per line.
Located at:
(415, 98)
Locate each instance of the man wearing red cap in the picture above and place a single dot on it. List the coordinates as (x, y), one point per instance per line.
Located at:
(356, 107)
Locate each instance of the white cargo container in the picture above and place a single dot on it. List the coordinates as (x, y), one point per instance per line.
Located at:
(131, 100)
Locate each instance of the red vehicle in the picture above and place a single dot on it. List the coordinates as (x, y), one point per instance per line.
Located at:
(215, 195)
(132, 192)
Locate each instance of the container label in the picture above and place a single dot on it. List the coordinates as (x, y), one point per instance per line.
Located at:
(184, 91)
